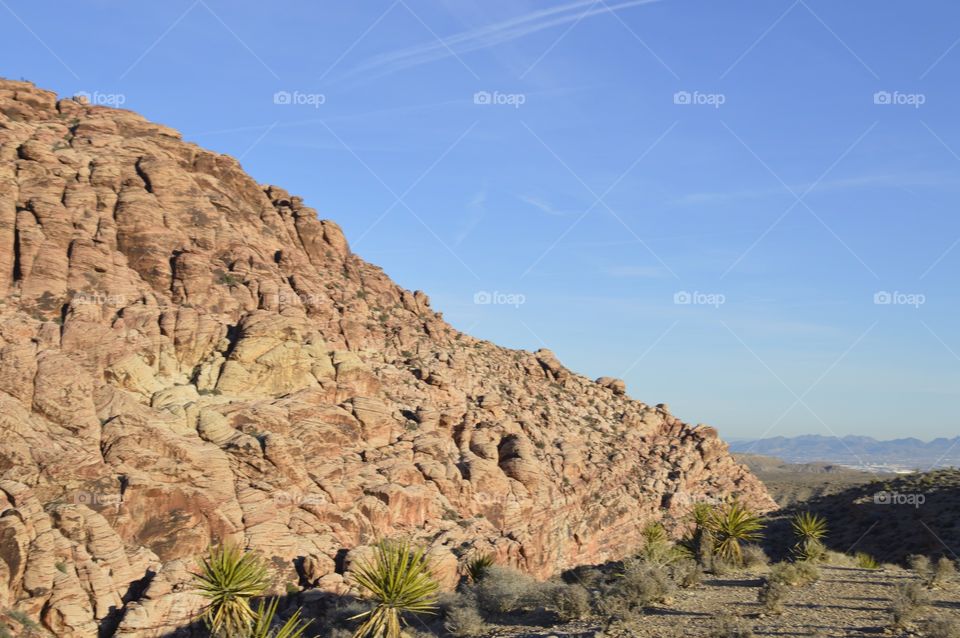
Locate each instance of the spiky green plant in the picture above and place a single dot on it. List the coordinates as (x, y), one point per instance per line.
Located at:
(866, 561)
(733, 524)
(658, 548)
(809, 530)
(700, 543)
(478, 566)
(228, 579)
(399, 581)
(263, 626)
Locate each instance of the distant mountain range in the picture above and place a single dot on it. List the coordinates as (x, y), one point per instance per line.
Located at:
(862, 452)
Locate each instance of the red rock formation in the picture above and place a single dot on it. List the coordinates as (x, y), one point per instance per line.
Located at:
(187, 356)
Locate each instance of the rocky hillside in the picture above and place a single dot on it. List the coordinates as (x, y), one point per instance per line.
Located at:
(187, 356)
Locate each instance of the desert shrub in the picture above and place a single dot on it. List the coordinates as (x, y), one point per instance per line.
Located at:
(228, 579)
(477, 567)
(687, 573)
(265, 625)
(794, 574)
(944, 572)
(921, 566)
(729, 626)
(866, 561)
(639, 586)
(754, 557)
(943, 627)
(809, 531)
(732, 525)
(399, 582)
(505, 590)
(589, 577)
(461, 615)
(908, 602)
(570, 602)
(772, 595)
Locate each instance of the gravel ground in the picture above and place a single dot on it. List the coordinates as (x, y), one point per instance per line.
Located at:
(846, 602)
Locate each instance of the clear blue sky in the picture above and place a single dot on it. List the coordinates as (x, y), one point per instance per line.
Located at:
(782, 189)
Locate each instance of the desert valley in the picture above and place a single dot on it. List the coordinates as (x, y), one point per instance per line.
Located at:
(219, 420)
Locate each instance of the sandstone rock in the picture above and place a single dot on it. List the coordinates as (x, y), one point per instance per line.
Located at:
(187, 357)
(617, 386)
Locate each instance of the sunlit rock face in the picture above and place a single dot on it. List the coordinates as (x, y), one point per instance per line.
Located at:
(187, 357)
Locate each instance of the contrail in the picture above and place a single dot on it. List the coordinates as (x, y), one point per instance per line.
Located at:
(492, 34)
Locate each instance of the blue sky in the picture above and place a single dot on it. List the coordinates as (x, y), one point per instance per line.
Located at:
(779, 165)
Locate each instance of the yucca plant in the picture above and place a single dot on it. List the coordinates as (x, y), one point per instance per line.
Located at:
(658, 548)
(809, 530)
(228, 579)
(263, 625)
(399, 581)
(866, 561)
(478, 567)
(733, 524)
(700, 543)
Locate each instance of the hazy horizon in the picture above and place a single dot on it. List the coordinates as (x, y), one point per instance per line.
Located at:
(744, 210)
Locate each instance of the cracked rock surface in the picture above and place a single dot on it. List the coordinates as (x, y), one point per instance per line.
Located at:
(187, 357)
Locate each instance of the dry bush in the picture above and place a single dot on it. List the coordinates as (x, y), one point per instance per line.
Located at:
(589, 577)
(754, 557)
(570, 602)
(729, 626)
(794, 574)
(639, 586)
(908, 603)
(944, 573)
(461, 615)
(505, 590)
(943, 627)
(687, 573)
(921, 566)
(772, 595)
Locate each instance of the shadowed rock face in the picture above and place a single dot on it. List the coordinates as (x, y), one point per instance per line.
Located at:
(187, 356)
